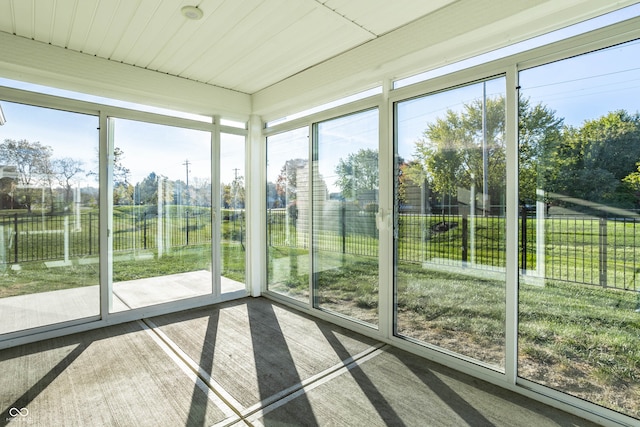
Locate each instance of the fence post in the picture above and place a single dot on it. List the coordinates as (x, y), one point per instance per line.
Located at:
(523, 234)
(15, 238)
(343, 214)
(603, 252)
(465, 237)
(90, 235)
(144, 232)
(187, 228)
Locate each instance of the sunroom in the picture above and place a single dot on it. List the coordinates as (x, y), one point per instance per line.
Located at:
(455, 179)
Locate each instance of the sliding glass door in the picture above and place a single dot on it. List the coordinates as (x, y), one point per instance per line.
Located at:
(345, 204)
(450, 203)
(49, 216)
(162, 214)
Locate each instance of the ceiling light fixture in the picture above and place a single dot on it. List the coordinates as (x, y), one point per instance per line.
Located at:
(191, 12)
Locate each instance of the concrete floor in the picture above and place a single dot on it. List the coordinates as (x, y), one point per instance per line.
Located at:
(245, 362)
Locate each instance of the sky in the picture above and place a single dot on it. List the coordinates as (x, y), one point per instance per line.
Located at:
(147, 148)
(578, 89)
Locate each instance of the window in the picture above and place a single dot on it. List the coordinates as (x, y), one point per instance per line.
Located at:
(233, 225)
(49, 215)
(345, 204)
(579, 304)
(450, 204)
(161, 216)
(288, 209)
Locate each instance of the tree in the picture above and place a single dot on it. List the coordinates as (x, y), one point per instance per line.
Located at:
(120, 172)
(233, 194)
(32, 161)
(358, 173)
(202, 191)
(452, 151)
(147, 190)
(540, 138)
(595, 158)
(449, 155)
(123, 193)
(287, 181)
(66, 169)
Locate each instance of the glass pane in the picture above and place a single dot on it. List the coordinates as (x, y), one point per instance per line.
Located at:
(450, 195)
(579, 295)
(288, 214)
(345, 203)
(49, 270)
(232, 210)
(161, 214)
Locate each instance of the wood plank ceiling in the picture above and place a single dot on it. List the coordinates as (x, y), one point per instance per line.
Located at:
(243, 45)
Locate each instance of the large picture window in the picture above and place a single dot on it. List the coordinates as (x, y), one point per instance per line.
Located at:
(579, 294)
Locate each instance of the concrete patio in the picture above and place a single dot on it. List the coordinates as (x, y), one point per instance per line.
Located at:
(45, 308)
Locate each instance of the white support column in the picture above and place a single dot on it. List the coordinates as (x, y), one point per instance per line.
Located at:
(216, 220)
(160, 221)
(256, 208)
(106, 220)
(511, 130)
(387, 213)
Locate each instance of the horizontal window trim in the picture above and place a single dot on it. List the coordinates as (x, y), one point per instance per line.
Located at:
(446, 83)
(365, 104)
(592, 41)
(36, 99)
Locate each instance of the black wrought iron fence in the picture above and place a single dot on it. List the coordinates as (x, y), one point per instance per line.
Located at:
(581, 249)
(27, 238)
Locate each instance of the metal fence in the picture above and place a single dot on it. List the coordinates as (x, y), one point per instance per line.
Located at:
(581, 249)
(28, 238)
(588, 250)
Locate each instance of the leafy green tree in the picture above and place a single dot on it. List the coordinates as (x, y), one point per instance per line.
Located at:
(123, 193)
(540, 138)
(595, 159)
(147, 190)
(449, 155)
(450, 152)
(358, 173)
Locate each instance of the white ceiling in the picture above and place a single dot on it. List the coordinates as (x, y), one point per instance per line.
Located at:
(244, 45)
(266, 57)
